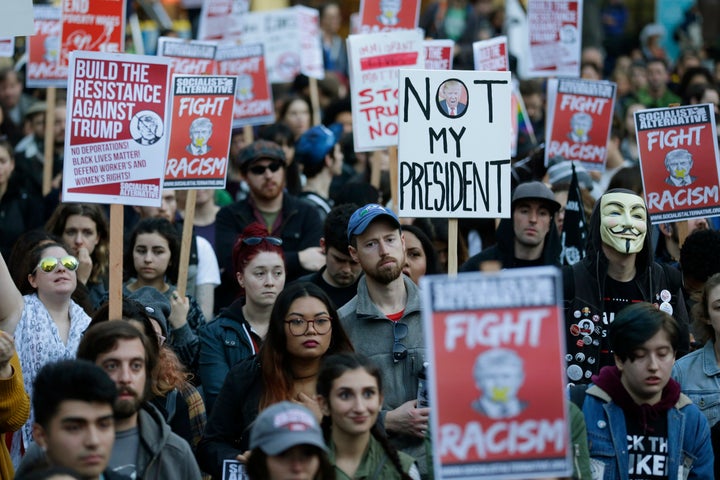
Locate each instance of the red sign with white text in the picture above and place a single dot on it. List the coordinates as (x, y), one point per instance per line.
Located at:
(679, 162)
(92, 26)
(497, 374)
(253, 98)
(491, 55)
(438, 54)
(43, 67)
(202, 126)
(116, 134)
(388, 15)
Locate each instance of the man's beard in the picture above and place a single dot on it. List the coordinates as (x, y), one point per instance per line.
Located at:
(386, 274)
(125, 408)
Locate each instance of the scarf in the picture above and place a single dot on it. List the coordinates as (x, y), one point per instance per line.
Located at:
(609, 380)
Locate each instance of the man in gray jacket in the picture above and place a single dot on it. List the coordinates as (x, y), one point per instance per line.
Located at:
(145, 447)
(384, 323)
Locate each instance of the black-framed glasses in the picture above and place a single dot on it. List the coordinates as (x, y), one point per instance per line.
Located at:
(50, 264)
(252, 241)
(400, 331)
(299, 325)
(260, 169)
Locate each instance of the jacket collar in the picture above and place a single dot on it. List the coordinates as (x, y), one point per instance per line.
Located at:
(710, 366)
(367, 308)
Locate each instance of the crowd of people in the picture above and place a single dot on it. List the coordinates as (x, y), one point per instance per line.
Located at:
(298, 344)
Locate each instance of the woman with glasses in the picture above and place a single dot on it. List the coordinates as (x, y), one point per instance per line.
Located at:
(304, 328)
(151, 260)
(46, 323)
(240, 329)
(350, 393)
(84, 227)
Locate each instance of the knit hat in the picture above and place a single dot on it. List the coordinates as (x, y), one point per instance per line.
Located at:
(155, 303)
(315, 143)
(535, 191)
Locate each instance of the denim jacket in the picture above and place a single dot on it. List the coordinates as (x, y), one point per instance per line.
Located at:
(690, 454)
(699, 377)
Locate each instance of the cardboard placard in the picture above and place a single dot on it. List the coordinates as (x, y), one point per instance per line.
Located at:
(43, 67)
(555, 35)
(438, 54)
(92, 26)
(491, 55)
(190, 57)
(388, 15)
(220, 19)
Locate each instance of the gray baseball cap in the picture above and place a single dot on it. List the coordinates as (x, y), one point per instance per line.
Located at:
(285, 425)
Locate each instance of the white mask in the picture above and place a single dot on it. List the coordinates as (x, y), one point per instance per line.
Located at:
(623, 222)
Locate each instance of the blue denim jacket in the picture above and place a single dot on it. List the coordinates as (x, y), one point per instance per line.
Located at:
(690, 453)
(699, 378)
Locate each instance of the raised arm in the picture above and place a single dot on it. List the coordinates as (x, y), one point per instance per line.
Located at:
(11, 301)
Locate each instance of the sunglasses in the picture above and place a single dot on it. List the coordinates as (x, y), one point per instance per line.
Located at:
(50, 264)
(400, 331)
(252, 241)
(260, 169)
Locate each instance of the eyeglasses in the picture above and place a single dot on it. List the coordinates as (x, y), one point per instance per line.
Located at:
(400, 331)
(260, 169)
(300, 326)
(252, 241)
(50, 264)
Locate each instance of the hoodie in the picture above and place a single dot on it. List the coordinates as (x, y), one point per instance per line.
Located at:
(586, 318)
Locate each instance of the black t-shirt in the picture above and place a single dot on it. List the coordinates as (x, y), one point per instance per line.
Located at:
(647, 448)
(618, 295)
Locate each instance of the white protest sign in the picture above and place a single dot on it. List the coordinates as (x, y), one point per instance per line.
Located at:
(116, 135)
(291, 37)
(374, 61)
(454, 144)
(491, 55)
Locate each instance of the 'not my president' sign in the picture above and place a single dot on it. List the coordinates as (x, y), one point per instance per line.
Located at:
(454, 144)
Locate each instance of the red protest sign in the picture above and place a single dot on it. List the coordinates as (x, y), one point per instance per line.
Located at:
(388, 15)
(497, 374)
(116, 136)
(97, 26)
(580, 116)
(438, 54)
(43, 67)
(191, 57)
(491, 55)
(555, 34)
(202, 127)
(679, 162)
(253, 98)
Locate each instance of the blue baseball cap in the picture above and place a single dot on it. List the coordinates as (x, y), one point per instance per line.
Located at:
(315, 143)
(364, 216)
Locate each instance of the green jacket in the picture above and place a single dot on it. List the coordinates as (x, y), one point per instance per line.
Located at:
(375, 464)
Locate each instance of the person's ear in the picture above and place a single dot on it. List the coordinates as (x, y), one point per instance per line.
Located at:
(323, 404)
(619, 363)
(240, 279)
(353, 253)
(39, 435)
(665, 229)
(32, 280)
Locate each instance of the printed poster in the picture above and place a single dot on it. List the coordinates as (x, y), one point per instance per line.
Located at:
(496, 374)
(202, 126)
(580, 114)
(92, 26)
(43, 67)
(190, 57)
(374, 62)
(491, 55)
(438, 54)
(291, 37)
(388, 15)
(555, 35)
(679, 162)
(7, 47)
(220, 19)
(253, 98)
(117, 129)
(454, 144)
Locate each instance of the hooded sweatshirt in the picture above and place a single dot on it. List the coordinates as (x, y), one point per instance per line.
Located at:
(589, 310)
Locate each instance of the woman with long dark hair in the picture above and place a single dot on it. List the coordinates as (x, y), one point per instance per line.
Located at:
(349, 389)
(304, 328)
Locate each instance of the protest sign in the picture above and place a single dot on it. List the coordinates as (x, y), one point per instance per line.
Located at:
(202, 126)
(491, 55)
(221, 19)
(374, 61)
(43, 67)
(291, 37)
(253, 98)
(17, 18)
(7, 47)
(497, 384)
(388, 15)
(116, 135)
(679, 162)
(234, 470)
(580, 114)
(555, 34)
(438, 54)
(191, 57)
(97, 26)
(454, 144)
